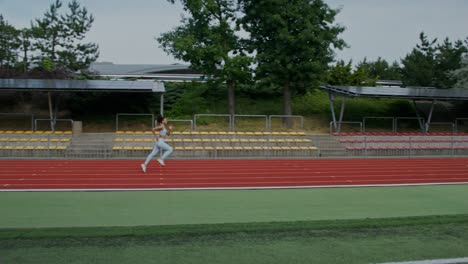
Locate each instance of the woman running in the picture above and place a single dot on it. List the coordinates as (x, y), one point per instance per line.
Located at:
(159, 144)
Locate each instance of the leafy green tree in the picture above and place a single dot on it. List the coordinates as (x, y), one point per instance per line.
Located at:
(461, 75)
(49, 34)
(361, 76)
(293, 42)
(341, 73)
(25, 41)
(75, 54)
(208, 39)
(431, 65)
(8, 44)
(448, 58)
(418, 66)
(381, 70)
(57, 38)
(393, 72)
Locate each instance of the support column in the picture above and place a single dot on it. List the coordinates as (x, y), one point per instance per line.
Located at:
(161, 110)
(428, 123)
(421, 125)
(51, 114)
(331, 98)
(343, 103)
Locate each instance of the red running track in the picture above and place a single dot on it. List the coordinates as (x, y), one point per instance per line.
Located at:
(224, 174)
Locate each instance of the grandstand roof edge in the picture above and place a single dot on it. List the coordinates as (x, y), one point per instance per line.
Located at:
(81, 85)
(419, 93)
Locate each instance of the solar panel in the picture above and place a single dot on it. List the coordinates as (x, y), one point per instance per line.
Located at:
(81, 85)
(398, 92)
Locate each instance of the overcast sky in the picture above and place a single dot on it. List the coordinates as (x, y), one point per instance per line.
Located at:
(125, 29)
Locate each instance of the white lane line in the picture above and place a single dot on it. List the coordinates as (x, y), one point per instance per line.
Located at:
(221, 188)
(433, 261)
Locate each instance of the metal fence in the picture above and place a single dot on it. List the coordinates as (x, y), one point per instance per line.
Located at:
(14, 116)
(339, 126)
(70, 128)
(365, 122)
(232, 124)
(459, 128)
(234, 145)
(271, 117)
(117, 128)
(196, 119)
(189, 121)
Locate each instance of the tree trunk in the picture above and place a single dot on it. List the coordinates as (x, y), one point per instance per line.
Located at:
(25, 60)
(287, 109)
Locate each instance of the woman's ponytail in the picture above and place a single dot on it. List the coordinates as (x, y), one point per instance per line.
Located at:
(159, 118)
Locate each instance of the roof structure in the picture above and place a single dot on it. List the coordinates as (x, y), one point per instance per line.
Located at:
(163, 72)
(52, 86)
(389, 83)
(412, 93)
(415, 93)
(81, 85)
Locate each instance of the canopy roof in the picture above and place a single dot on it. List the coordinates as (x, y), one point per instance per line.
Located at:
(162, 72)
(420, 93)
(81, 85)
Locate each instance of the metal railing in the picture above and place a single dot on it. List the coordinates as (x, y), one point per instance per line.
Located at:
(182, 121)
(232, 119)
(270, 117)
(196, 116)
(331, 125)
(457, 128)
(233, 125)
(449, 124)
(19, 115)
(419, 119)
(236, 146)
(55, 120)
(129, 114)
(364, 121)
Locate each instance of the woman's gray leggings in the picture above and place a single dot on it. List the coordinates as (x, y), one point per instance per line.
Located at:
(160, 144)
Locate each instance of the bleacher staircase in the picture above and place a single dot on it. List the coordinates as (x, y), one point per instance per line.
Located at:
(91, 146)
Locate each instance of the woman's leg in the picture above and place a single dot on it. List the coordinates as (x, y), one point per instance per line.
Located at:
(152, 154)
(167, 149)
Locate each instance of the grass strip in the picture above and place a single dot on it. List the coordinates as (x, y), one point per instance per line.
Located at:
(219, 229)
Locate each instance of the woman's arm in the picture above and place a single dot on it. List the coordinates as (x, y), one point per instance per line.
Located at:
(169, 131)
(155, 130)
